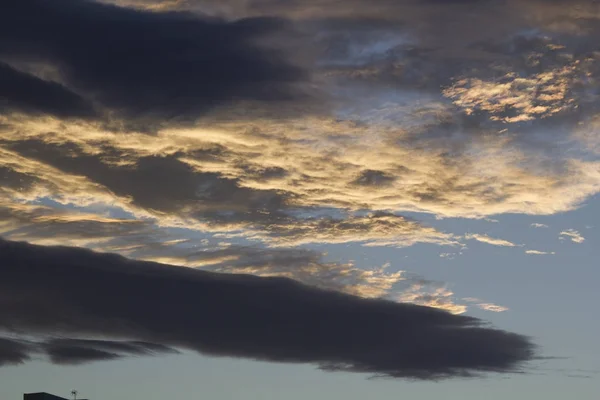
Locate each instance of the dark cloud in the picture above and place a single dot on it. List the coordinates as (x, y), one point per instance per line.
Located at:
(143, 64)
(69, 291)
(21, 92)
(14, 352)
(75, 351)
(79, 351)
(446, 26)
(439, 23)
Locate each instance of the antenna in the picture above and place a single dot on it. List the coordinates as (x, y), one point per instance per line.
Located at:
(74, 394)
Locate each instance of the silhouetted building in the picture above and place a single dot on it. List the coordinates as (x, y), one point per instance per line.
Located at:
(43, 396)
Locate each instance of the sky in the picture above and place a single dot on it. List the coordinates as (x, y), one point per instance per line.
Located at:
(264, 199)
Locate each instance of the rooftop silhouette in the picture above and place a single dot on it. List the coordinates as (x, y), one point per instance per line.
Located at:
(43, 396)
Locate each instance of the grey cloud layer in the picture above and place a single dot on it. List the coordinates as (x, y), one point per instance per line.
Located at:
(72, 292)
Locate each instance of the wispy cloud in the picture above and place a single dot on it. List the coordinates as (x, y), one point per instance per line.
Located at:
(492, 307)
(573, 235)
(490, 240)
(485, 306)
(539, 253)
(437, 296)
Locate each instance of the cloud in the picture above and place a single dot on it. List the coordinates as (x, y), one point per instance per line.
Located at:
(436, 18)
(490, 240)
(538, 225)
(203, 166)
(219, 202)
(375, 229)
(428, 110)
(483, 119)
(429, 44)
(48, 225)
(573, 235)
(486, 306)
(62, 291)
(441, 26)
(145, 65)
(145, 240)
(80, 351)
(182, 185)
(539, 253)
(343, 176)
(426, 293)
(515, 98)
(492, 307)
(302, 265)
(13, 352)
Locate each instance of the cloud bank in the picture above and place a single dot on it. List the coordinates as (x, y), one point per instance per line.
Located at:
(74, 293)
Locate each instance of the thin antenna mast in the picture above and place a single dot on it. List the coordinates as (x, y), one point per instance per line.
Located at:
(74, 394)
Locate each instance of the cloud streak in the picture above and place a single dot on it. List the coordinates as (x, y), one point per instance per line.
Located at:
(490, 240)
(539, 253)
(486, 306)
(72, 292)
